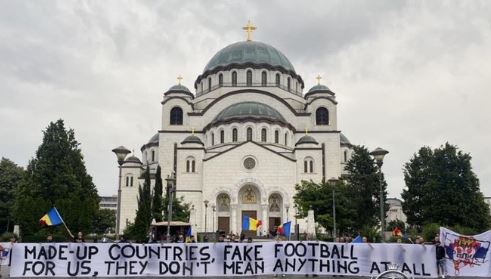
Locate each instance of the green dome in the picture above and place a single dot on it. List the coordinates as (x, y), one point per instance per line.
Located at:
(249, 110)
(179, 87)
(249, 52)
(319, 87)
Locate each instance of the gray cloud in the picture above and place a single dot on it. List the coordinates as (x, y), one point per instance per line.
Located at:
(406, 74)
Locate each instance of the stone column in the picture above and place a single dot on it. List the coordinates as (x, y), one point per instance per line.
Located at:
(265, 219)
(233, 218)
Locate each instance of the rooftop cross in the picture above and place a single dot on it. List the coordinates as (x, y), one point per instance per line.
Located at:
(318, 78)
(179, 78)
(249, 28)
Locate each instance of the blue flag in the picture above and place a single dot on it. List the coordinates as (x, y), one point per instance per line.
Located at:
(189, 232)
(357, 239)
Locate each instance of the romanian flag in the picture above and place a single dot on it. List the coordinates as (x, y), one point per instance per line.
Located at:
(250, 224)
(284, 229)
(396, 232)
(52, 218)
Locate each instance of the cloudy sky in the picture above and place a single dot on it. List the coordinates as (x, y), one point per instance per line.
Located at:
(405, 73)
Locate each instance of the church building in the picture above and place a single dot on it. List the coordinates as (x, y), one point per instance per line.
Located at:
(240, 140)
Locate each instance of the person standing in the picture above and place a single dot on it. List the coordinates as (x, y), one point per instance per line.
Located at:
(440, 259)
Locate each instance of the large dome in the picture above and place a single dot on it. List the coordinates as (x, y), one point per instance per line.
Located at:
(249, 110)
(249, 52)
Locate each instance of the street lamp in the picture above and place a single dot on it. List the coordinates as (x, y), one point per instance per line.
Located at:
(121, 153)
(206, 212)
(171, 182)
(379, 154)
(287, 207)
(213, 207)
(332, 182)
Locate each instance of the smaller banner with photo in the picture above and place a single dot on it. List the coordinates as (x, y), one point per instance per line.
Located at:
(467, 255)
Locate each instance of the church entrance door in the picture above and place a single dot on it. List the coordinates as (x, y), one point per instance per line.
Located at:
(224, 224)
(251, 214)
(274, 223)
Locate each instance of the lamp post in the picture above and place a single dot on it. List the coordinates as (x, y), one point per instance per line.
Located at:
(287, 207)
(206, 213)
(297, 228)
(379, 154)
(213, 207)
(332, 182)
(171, 182)
(121, 153)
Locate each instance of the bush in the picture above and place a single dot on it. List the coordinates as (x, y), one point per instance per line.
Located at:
(464, 230)
(430, 231)
(6, 236)
(372, 233)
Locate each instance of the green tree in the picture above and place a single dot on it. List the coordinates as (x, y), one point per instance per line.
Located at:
(105, 220)
(442, 188)
(143, 219)
(363, 182)
(319, 197)
(157, 202)
(10, 177)
(56, 176)
(180, 210)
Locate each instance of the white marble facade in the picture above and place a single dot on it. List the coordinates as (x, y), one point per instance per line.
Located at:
(242, 141)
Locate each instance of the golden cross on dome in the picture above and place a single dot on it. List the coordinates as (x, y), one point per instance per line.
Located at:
(306, 131)
(318, 78)
(179, 78)
(192, 131)
(249, 28)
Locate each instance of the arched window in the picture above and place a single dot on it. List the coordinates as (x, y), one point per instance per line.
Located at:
(212, 139)
(264, 79)
(288, 83)
(234, 78)
(234, 135)
(345, 156)
(127, 181)
(264, 135)
(220, 79)
(276, 136)
(176, 116)
(308, 165)
(222, 136)
(322, 116)
(286, 138)
(153, 155)
(249, 134)
(249, 78)
(201, 84)
(190, 165)
(278, 80)
(209, 84)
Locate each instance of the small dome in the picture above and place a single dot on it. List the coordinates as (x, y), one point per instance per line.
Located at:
(179, 87)
(306, 140)
(192, 139)
(344, 140)
(132, 159)
(154, 139)
(319, 87)
(246, 110)
(249, 52)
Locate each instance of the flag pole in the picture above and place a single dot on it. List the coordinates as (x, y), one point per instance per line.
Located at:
(63, 221)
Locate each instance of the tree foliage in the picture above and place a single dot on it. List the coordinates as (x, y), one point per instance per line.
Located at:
(105, 221)
(443, 189)
(363, 182)
(318, 196)
(10, 177)
(56, 176)
(157, 203)
(139, 230)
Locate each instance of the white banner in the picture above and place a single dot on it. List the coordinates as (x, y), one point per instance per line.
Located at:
(5, 253)
(467, 255)
(219, 259)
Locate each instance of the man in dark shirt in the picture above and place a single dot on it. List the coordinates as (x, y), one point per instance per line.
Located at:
(440, 258)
